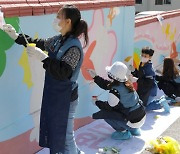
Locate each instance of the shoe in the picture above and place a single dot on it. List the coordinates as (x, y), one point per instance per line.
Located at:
(121, 135)
(165, 105)
(136, 132)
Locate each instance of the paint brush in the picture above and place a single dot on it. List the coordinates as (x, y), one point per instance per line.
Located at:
(22, 33)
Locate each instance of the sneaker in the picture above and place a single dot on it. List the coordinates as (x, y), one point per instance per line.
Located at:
(121, 135)
(136, 131)
(165, 105)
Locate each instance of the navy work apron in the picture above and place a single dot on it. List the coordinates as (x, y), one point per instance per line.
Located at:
(56, 99)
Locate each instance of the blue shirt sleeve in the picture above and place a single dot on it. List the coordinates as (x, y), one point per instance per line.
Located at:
(149, 71)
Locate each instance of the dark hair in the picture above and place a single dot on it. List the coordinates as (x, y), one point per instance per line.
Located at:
(147, 50)
(127, 83)
(169, 69)
(79, 26)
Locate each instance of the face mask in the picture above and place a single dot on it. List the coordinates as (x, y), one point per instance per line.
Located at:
(144, 60)
(56, 26)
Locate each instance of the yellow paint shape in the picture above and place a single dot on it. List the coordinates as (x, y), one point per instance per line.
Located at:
(136, 60)
(127, 59)
(170, 34)
(167, 30)
(23, 62)
(111, 15)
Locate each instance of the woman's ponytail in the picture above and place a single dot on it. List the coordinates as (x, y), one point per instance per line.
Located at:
(81, 29)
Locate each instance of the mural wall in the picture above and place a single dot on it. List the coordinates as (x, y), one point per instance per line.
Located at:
(111, 34)
(163, 37)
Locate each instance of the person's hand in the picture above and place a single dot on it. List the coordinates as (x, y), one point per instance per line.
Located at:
(131, 68)
(10, 30)
(176, 60)
(94, 99)
(158, 72)
(36, 52)
(92, 73)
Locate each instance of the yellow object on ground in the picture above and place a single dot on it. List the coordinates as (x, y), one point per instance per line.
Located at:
(156, 116)
(164, 145)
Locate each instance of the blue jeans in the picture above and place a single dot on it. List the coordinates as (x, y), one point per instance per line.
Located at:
(119, 125)
(70, 144)
(153, 104)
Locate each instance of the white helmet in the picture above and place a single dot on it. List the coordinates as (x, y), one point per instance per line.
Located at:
(117, 71)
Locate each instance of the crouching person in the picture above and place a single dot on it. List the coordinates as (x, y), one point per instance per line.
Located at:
(124, 110)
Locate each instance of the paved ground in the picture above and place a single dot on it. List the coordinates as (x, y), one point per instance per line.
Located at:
(173, 131)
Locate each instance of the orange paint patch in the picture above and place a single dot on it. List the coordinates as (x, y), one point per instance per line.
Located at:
(174, 52)
(87, 63)
(19, 145)
(80, 122)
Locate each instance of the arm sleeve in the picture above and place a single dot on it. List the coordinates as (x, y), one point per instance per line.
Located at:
(135, 73)
(39, 42)
(103, 105)
(158, 78)
(63, 69)
(149, 72)
(102, 83)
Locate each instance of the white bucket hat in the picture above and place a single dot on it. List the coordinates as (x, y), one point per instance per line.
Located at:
(117, 71)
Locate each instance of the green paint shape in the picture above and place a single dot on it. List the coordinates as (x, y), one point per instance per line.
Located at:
(6, 42)
(137, 51)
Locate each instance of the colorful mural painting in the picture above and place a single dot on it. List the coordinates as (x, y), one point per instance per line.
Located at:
(22, 77)
(164, 39)
(112, 37)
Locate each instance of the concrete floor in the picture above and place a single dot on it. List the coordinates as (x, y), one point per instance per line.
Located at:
(173, 131)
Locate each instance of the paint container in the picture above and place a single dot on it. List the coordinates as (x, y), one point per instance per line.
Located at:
(32, 44)
(94, 97)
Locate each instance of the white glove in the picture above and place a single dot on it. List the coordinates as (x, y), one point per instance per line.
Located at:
(132, 78)
(176, 60)
(158, 72)
(94, 99)
(131, 68)
(10, 30)
(92, 73)
(36, 52)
